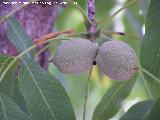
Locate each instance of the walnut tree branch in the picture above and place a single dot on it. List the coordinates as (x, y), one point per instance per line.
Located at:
(91, 28)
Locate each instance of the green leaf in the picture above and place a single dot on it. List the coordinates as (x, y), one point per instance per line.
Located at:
(134, 20)
(145, 110)
(150, 46)
(45, 96)
(138, 111)
(18, 37)
(132, 26)
(19, 99)
(7, 84)
(103, 8)
(82, 3)
(154, 112)
(70, 18)
(9, 110)
(4, 60)
(111, 102)
(144, 6)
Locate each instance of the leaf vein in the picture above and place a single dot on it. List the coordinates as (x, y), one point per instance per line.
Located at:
(3, 108)
(39, 89)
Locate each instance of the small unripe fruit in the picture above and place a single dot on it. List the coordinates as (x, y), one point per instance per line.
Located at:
(75, 56)
(117, 60)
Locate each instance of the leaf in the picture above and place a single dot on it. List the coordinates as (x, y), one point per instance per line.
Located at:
(9, 110)
(19, 99)
(132, 23)
(154, 112)
(150, 46)
(45, 96)
(144, 6)
(5, 60)
(138, 111)
(82, 3)
(111, 101)
(70, 18)
(7, 84)
(18, 37)
(103, 8)
(146, 110)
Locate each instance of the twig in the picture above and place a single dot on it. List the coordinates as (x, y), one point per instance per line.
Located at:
(41, 41)
(108, 19)
(91, 28)
(120, 33)
(46, 47)
(107, 37)
(3, 18)
(86, 94)
(42, 50)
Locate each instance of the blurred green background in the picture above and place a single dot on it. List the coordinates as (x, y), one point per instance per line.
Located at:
(130, 21)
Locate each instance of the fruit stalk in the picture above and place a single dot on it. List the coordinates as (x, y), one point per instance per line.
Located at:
(91, 29)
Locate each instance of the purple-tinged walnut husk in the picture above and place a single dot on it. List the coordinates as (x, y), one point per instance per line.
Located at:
(75, 56)
(117, 60)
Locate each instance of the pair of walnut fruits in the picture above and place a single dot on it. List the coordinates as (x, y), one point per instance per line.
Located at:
(116, 59)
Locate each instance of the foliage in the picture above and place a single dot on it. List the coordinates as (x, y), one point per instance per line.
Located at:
(28, 92)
